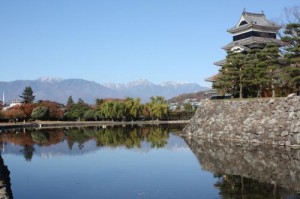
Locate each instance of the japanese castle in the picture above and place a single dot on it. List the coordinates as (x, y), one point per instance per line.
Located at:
(253, 30)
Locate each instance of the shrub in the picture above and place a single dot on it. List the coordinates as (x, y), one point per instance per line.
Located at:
(40, 113)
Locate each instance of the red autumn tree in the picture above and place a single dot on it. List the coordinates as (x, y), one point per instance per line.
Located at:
(14, 113)
(27, 109)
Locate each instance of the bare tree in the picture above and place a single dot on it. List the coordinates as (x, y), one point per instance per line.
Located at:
(292, 14)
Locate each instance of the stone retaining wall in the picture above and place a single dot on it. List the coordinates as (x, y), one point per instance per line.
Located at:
(270, 121)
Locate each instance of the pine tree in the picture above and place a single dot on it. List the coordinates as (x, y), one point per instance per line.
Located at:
(231, 79)
(27, 95)
(77, 110)
(70, 103)
(269, 67)
(252, 74)
(223, 84)
(292, 56)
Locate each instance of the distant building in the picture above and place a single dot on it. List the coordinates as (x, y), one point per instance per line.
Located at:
(208, 94)
(173, 106)
(13, 103)
(180, 105)
(253, 30)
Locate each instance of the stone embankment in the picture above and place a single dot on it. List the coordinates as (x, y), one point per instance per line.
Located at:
(5, 185)
(270, 121)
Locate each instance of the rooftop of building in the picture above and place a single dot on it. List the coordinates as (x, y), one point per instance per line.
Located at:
(212, 78)
(221, 62)
(252, 40)
(256, 20)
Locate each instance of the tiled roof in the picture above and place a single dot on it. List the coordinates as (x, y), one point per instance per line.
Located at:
(257, 20)
(253, 40)
(212, 78)
(220, 63)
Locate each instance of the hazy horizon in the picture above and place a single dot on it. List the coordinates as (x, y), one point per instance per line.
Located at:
(105, 83)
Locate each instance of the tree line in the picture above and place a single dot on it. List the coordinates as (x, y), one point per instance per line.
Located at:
(127, 109)
(272, 71)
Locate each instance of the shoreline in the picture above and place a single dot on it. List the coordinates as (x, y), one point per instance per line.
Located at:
(56, 124)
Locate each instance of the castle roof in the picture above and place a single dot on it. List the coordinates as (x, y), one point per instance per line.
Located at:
(252, 41)
(212, 78)
(220, 63)
(254, 20)
(253, 30)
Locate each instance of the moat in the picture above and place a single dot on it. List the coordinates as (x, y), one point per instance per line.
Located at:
(141, 162)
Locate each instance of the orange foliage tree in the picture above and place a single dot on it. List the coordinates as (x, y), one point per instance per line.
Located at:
(27, 109)
(14, 113)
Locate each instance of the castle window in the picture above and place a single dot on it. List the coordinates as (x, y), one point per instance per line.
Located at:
(254, 34)
(243, 23)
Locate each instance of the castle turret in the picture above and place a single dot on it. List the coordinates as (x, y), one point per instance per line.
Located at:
(253, 30)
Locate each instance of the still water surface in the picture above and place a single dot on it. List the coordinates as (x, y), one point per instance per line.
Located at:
(140, 162)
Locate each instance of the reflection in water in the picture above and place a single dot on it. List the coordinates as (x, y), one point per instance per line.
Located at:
(129, 137)
(115, 137)
(5, 189)
(27, 151)
(232, 186)
(92, 162)
(248, 171)
(241, 170)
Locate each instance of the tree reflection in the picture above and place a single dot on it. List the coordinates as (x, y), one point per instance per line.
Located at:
(126, 136)
(40, 137)
(232, 186)
(76, 135)
(28, 152)
(158, 137)
(119, 137)
(116, 137)
(31, 137)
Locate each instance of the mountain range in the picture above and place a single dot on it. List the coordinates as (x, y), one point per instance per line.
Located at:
(57, 89)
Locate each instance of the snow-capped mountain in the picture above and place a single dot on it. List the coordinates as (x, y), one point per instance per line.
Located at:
(129, 85)
(145, 89)
(174, 84)
(48, 79)
(58, 89)
(145, 82)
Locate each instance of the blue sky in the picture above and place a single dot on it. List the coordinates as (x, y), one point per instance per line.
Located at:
(120, 40)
